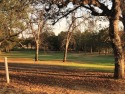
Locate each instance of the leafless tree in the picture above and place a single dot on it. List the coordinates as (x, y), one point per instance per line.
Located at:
(37, 23)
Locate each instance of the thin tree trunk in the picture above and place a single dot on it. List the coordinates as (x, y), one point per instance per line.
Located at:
(31, 46)
(116, 42)
(37, 51)
(85, 49)
(66, 46)
(72, 27)
(91, 50)
(65, 52)
(99, 51)
(105, 51)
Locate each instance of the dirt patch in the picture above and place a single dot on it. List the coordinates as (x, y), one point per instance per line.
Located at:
(53, 79)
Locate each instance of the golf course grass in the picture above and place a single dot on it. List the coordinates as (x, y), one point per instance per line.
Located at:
(92, 62)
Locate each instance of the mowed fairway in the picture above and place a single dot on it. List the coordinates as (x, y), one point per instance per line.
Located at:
(81, 74)
(74, 60)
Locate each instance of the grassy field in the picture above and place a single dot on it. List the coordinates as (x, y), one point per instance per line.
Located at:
(81, 74)
(92, 62)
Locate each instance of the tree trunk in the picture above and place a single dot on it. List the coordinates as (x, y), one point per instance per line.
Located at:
(105, 51)
(66, 50)
(85, 49)
(69, 35)
(37, 51)
(99, 51)
(91, 50)
(116, 42)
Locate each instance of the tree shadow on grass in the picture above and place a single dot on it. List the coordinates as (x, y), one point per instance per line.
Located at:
(62, 76)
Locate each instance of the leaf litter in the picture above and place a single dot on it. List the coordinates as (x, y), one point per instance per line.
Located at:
(46, 79)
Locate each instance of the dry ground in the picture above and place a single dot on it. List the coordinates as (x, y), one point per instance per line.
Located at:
(47, 78)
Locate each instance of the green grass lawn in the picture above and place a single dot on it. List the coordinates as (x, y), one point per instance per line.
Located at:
(92, 62)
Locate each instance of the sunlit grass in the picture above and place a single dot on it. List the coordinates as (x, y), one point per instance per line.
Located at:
(93, 62)
(83, 65)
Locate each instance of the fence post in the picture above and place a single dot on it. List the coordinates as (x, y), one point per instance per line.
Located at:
(6, 69)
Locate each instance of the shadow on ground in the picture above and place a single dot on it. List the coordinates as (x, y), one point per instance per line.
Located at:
(64, 77)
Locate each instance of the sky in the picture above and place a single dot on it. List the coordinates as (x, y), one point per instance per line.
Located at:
(60, 26)
(63, 26)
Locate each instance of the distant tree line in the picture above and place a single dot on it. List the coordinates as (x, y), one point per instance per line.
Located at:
(87, 42)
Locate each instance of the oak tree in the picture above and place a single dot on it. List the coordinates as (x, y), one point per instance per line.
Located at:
(108, 8)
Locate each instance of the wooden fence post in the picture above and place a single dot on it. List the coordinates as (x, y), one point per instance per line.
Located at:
(6, 69)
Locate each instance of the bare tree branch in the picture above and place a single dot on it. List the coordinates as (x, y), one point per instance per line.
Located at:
(66, 14)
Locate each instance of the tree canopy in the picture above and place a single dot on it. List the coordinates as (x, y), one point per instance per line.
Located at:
(14, 12)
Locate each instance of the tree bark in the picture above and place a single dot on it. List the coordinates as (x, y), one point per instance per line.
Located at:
(65, 52)
(116, 41)
(91, 50)
(37, 51)
(69, 35)
(66, 46)
(99, 51)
